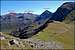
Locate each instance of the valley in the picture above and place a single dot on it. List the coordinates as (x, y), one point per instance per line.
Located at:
(45, 31)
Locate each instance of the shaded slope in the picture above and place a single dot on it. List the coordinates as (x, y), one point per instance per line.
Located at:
(63, 10)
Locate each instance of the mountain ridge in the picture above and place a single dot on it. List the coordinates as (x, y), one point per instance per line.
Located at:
(63, 10)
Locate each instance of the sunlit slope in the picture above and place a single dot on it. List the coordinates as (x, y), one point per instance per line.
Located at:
(59, 32)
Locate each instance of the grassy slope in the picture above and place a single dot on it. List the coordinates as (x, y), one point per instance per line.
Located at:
(59, 32)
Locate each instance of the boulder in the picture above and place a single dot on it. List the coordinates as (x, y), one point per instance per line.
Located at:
(14, 41)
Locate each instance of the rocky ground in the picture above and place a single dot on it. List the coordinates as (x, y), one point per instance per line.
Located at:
(32, 43)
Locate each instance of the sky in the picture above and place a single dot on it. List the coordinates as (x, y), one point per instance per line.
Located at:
(36, 7)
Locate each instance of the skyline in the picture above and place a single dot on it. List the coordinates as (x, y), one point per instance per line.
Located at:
(36, 7)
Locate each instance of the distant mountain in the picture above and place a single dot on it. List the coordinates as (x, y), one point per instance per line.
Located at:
(17, 20)
(8, 21)
(63, 11)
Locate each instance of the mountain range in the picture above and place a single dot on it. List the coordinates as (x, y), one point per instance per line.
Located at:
(28, 24)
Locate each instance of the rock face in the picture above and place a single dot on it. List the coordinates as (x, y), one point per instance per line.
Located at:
(63, 11)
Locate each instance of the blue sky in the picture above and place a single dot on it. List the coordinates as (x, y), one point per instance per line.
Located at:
(36, 6)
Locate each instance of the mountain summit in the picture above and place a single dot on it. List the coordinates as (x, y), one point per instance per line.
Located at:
(43, 17)
(46, 14)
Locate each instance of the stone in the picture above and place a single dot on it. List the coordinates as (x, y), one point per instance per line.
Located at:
(1, 36)
(14, 41)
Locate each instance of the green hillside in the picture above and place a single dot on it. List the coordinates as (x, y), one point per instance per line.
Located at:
(59, 32)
